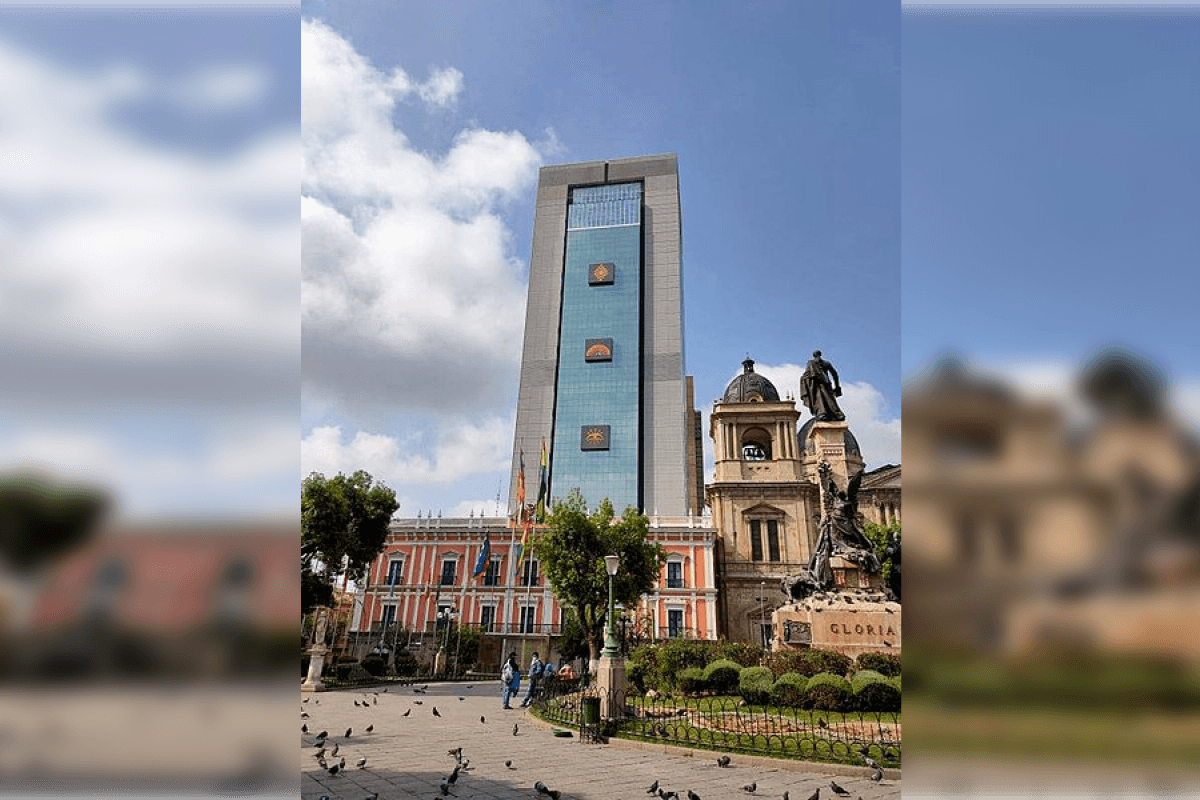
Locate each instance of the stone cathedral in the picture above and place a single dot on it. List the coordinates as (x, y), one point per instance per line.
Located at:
(765, 495)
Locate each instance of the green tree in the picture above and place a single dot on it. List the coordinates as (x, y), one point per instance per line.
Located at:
(886, 539)
(572, 552)
(41, 520)
(343, 527)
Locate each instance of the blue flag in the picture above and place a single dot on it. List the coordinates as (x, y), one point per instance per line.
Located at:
(481, 562)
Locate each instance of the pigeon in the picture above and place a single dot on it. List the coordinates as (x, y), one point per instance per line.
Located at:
(870, 761)
(406, 713)
(483, 719)
(785, 795)
(541, 788)
(321, 761)
(374, 701)
(723, 761)
(461, 699)
(509, 764)
(348, 732)
(838, 790)
(323, 797)
(672, 795)
(453, 779)
(335, 769)
(514, 729)
(877, 776)
(356, 704)
(319, 754)
(653, 788)
(470, 686)
(456, 752)
(323, 734)
(370, 727)
(305, 700)
(362, 762)
(336, 747)
(418, 702)
(342, 764)
(750, 787)
(692, 795)
(304, 715)
(435, 712)
(815, 795)
(304, 728)
(372, 796)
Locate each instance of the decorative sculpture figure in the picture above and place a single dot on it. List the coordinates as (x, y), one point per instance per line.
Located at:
(819, 389)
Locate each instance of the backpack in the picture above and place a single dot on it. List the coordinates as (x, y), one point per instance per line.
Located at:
(507, 675)
(538, 668)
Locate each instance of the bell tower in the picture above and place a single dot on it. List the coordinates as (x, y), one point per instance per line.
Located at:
(764, 506)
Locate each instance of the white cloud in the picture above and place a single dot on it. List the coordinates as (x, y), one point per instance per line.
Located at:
(458, 451)
(222, 88)
(410, 295)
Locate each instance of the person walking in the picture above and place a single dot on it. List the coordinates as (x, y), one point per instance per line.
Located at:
(535, 676)
(510, 676)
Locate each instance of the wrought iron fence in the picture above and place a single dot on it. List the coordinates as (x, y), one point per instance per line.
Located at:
(727, 724)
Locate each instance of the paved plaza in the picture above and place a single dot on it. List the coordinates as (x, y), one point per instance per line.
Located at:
(407, 755)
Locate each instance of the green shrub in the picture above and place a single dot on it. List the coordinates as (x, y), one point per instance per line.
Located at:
(691, 681)
(742, 653)
(874, 692)
(887, 664)
(754, 684)
(635, 673)
(788, 689)
(671, 658)
(722, 676)
(375, 665)
(809, 662)
(828, 692)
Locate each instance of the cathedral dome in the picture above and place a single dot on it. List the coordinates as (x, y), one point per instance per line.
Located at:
(750, 387)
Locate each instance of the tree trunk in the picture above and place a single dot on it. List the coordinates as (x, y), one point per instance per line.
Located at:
(594, 644)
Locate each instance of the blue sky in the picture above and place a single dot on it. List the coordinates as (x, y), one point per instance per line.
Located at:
(785, 118)
(1051, 168)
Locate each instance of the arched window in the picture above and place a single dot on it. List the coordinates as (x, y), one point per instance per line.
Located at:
(756, 445)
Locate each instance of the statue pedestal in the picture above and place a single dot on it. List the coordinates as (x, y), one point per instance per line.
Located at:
(828, 441)
(610, 680)
(316, 664)
(848, 620)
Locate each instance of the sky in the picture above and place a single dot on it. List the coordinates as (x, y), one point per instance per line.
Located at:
(1051, 162)
(423, 129)
(149, 251)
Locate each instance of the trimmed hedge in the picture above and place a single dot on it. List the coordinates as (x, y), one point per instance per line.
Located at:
(754, 683)
(375, 665)
(722, 676)
(828, 692)
(809, 662)
(874, 691)
(887, 664)
(692, 681)
(788, 689)
(741, 653)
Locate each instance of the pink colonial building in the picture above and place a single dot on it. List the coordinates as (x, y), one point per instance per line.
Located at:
(424, 575)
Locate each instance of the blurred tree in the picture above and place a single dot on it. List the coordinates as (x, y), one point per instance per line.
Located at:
(40, 520)
(572, 551)
(343, 527)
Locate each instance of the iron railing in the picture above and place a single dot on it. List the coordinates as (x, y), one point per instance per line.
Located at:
(728, 724)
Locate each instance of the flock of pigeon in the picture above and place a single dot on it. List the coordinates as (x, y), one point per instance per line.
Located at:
(331, 761)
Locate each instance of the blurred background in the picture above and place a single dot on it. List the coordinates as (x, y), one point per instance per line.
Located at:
(149, 354)
(1051, 162)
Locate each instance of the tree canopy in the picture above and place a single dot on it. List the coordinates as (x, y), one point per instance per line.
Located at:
(343, 527)
(41, 519)
(886, 539)
(572, 551)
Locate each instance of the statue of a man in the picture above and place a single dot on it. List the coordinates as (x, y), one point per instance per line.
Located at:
(819, 389)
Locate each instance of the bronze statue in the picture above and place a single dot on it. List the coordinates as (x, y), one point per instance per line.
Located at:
(819, 389)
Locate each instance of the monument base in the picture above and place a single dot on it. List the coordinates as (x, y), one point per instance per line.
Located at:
(850, 621)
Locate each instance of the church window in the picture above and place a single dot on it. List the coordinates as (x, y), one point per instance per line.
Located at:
(756, 547)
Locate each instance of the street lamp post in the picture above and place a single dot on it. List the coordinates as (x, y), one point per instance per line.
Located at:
(612, 649)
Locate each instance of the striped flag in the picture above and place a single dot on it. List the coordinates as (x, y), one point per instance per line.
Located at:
(520, 512)
(484, 551)
(543, 484)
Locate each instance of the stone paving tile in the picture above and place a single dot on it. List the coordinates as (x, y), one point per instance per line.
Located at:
(407, 756)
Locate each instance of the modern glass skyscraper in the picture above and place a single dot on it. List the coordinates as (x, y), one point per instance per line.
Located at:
(602, 372)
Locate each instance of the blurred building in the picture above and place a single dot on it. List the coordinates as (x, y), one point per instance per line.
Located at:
(1040, 533)
(765, 497)
(165, 597)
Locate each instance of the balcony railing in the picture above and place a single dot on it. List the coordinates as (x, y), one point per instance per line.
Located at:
(546, 629)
